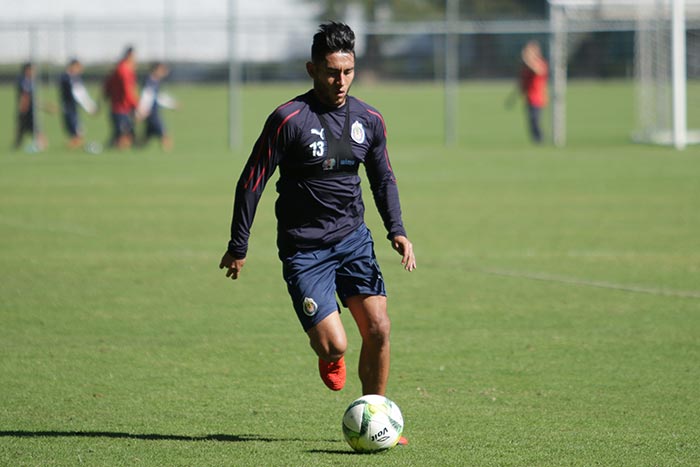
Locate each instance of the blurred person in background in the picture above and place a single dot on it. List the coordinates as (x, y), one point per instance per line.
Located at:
(318, 140)
(152, 99)
(120, 89)
(26, 123)
(72, 93)
(533, 86)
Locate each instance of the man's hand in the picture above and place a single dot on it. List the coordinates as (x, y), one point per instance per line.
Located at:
(405, 249)
(233, 265)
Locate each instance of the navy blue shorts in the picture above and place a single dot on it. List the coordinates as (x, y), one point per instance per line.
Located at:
(154, 127)
(70, 122)
(314, 277)
(25, 122)
(122, 125)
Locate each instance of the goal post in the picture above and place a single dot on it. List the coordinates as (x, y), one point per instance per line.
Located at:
(660, 76)
(678, 75)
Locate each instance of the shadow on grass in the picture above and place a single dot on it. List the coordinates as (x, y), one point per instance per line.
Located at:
(147, 436)
(334, 451)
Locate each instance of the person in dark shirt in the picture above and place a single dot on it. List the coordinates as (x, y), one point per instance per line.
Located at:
(148, 108)
(318, 140)
(26, 123)
(73, 94)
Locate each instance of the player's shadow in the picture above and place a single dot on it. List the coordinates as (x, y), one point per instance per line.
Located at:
(146, 436)
(335, 451)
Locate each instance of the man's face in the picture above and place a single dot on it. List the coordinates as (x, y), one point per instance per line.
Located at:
(75, 68)
(161, 71)
(333, 77)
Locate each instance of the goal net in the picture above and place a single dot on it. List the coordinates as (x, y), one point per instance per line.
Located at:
(662, 95)
(666, 49)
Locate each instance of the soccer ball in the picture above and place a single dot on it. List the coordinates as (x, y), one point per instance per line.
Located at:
(372, 423)
(93, 147)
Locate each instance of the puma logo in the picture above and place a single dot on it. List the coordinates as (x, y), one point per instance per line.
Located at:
(314, 131)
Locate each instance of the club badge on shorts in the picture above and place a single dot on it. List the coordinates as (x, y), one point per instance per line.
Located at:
(310, 306)
(357, 132)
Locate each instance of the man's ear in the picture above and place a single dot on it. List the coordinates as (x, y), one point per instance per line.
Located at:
(311, 69)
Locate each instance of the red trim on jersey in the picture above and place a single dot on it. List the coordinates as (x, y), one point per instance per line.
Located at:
(377, 114)
(284, 105)
(386, 153)
(269, 150)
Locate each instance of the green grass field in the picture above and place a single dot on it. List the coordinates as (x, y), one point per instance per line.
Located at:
(554, 318)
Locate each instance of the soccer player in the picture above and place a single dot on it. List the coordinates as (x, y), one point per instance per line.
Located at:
(25, 110)
(533, 85)
(318, 140)
(120, 89)
(148, 108)
(73, 94)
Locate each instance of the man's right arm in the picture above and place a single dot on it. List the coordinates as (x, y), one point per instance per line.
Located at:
(533, 61)
(24, 104)
(259, 168)
(244, 207)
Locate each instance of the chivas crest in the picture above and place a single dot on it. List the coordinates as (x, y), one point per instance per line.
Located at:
(310, 306)
(357, 132)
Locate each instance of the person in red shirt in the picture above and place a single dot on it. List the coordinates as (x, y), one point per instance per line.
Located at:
(533, 85)
(120, 89)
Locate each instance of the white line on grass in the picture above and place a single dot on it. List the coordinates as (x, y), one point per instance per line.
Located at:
(54, 227)
(589, 283)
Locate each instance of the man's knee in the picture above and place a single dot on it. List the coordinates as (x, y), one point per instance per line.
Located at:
(330, 351)
(379, 328)
(328, 338)
(329, 346)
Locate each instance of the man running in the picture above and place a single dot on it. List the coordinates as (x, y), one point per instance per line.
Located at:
(318, 140)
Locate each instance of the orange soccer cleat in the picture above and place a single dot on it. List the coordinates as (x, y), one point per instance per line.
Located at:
(332, 373)
(402, 441)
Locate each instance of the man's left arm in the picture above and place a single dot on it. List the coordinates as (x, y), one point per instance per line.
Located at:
(386, 195)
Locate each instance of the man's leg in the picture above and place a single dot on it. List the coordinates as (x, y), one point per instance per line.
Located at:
(24, 125)
(156, 128)
(41, 141)
(114, 120)
(534, 120)
(166, 143)
(329, 341)
(328, 338)
(126, 134)
(124, 131)
(373, 322)
(71, 124)
(18, 138)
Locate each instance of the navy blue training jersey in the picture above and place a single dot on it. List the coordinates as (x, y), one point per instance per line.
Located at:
(65, 84)
(318, 151)
(154, 86)
(25, 85)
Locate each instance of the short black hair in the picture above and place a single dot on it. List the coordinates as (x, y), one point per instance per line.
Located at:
(332, 37)
(128, 50)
